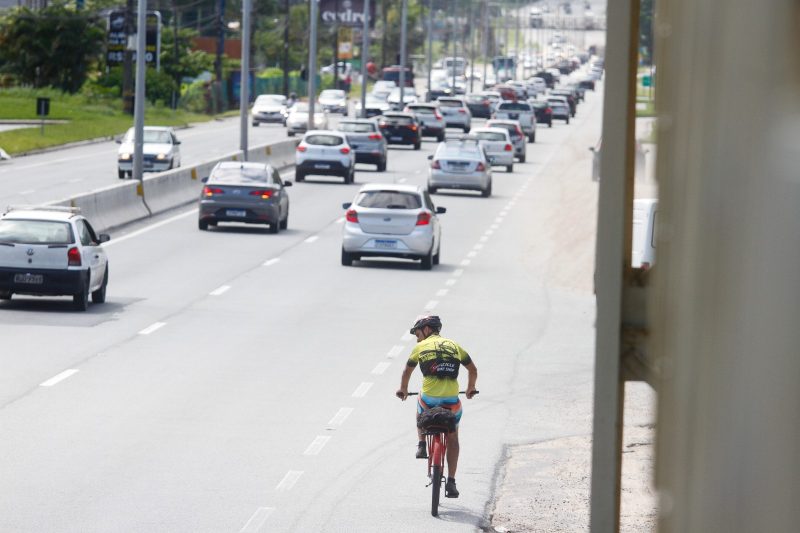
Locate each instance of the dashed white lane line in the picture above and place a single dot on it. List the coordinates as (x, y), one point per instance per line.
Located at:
(431, 305)
(478, 246)
(450, 282)
(494, 226)
(311, 239)
(29, 191)
(289, 480)
(340, 416)
(220, 290)
(257, 520)
(473, 253)
(316, 445)
(272, 261)
(396, 350)
(59, 377)
(498, 220)
(503, 213)
(380, 368)
(407, 337)
(465, 262)
(152, 327)
(148, 228)
(75, 180)
(442, 292)
(458, 272)
(488, 232)
(362, 390)
(484, 238)
(402, 180)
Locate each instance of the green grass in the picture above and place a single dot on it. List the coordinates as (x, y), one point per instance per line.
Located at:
(649, 109)
(88, 119)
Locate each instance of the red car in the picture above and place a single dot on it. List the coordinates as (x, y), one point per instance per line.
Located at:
(507, 92)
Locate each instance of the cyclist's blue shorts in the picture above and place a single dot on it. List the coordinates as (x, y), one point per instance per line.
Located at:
(448, 402)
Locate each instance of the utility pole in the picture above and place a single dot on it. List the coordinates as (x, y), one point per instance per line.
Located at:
(364, 59)
(403, 59)
(127, 60)
(472, 35)
(516, 39)
(454, 35)
(139, 97)
(176, 50)
(429, 59)
(285, 59)
(485, 38)
(244, 85)
(312, 63)
(336, 47)
(506, 52)
(220, 52)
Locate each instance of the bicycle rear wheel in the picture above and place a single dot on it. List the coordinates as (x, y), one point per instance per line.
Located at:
(436, 489)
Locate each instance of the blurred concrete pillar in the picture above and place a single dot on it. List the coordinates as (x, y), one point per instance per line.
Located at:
(726, 305)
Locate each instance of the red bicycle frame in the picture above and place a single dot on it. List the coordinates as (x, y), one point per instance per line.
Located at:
(437, 450)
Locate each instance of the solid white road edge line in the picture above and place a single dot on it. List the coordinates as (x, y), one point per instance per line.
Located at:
(257, 520)
(316, 445)
(220, 290)
(380, 368)
(152, 327)
(272, 261)
(149, 228)
(362, 390)
(289, 480)
(59, 377)
(341, 415)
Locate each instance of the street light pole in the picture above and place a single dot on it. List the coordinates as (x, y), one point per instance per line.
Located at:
(454, 36)
(139, 91)
(485, 38)
(244, 85)
(312, 64)
(430, 48)
(403, 59)
(364, 59)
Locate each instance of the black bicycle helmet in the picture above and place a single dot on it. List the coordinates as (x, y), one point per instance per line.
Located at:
(432, 321)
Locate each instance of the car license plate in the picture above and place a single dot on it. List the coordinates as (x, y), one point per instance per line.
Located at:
(513, 116)
(31, 279)
(322, 166)
(354, 146)
(395, 138)
(236, 213)
(385, 244)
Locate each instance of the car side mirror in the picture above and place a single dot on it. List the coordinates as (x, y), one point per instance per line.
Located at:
(104, 237)
(430, 157)
(347, 205)
(441, 210)
(205, 180)
(287, 183)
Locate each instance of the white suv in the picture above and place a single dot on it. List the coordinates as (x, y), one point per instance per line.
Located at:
(325, 153)
(52, 251)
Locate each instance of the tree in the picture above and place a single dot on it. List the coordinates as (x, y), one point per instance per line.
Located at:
(646, 30)
(54, 46)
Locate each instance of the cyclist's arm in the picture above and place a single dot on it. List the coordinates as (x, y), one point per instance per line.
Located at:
(402, 392)
(472, 378)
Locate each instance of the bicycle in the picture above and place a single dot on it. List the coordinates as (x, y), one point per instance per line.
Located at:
(436, 440)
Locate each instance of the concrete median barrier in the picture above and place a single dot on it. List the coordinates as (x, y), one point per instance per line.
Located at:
(110, 207)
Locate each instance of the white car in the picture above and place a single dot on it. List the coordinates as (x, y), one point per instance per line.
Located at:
(161, 151)
(456, 113)
(375, 106)
(52, 251)
(269, 108)
(409, 97)
(383, 87)
(333, 101)
(539, 84)
(325, 153)
(498, 146)
(460, 164)
(297, 121)
(388, 220)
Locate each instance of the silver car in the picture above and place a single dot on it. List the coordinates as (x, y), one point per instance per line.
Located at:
(297, 121)
(366, 140)
(523, 113)
(252, 193)
(497, 144)
(430, 119)
(456, 113)
(333, 101)
(269, 108)
(460, 164)
(161, 151)
(515, 132)
(392, 221)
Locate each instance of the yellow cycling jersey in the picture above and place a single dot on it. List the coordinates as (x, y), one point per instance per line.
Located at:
(439, 360)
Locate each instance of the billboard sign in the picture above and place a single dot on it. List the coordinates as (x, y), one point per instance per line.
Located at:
(346, 12)
(117, 42)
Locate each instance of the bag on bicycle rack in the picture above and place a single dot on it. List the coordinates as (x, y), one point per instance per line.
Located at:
(437, 418)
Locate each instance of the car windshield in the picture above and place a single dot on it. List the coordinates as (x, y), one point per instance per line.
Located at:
(331, 93)
(357, 127)
(151, 136)
(270, 99)
(514, 106)
(323, 140)
(239, 174)
(300, 107)
(450, 103)
(35, 232)
(389, 200)
(490, 136)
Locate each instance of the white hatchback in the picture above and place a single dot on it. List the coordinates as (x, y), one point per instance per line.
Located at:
(160, 148)
(497, 144)
(52, 251)
(326, 153)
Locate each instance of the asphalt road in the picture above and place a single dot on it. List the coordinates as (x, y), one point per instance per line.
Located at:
(242, 381)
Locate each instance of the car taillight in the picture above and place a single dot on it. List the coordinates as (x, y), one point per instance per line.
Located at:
(345, 149)
(301, 148)
(351, 216)
(508, 148)
(382, 124)
(423, 219)
(481, 167)
(413, 127)
(485, 102)
(438, 116)
(211, 191)
(375, 136)
(548, 111)
(462, 111)
(74, 257)
(265, 194)
(436, 164)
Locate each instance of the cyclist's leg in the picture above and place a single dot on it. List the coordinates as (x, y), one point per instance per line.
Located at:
(452, 453)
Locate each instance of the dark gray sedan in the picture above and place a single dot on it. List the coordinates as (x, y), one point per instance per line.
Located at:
(365, 138)
(253, 193)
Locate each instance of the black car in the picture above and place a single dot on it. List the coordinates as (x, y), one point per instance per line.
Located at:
(587, 83)
(548, 78)
(544, 114)
(401, 128)
(479, 105)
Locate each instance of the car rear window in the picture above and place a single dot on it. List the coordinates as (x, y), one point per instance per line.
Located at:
(490, 136)
(389, 200)
(323, 140)
(476, 98)
(450, 103)
(35, 232)
(511, 128)
(422, 110)
(356, 127)
(514, 106)
(236, 175)
(398, 121)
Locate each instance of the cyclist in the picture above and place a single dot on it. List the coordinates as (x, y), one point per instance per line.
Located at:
(439, 360)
